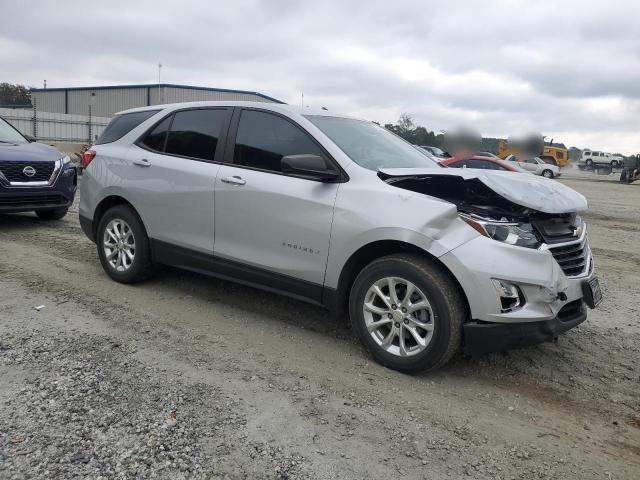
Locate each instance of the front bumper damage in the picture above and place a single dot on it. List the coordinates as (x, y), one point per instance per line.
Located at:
(552, 302)
(481, 338)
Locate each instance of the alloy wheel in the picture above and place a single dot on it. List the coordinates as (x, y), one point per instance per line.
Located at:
(398, 316)
(119, 245)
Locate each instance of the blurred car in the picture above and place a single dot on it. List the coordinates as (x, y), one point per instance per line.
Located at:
(536, 166)
(480, 162)
(435, 151)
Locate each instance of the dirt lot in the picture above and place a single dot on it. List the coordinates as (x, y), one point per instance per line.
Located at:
(191, 377)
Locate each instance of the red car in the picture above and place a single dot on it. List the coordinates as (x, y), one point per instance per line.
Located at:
(483, 163)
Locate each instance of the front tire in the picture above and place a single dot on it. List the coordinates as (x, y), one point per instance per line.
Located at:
(123, 245)
(547, 174)
(56, 214)
(407, 312)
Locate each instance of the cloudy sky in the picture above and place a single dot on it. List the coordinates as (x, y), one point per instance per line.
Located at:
(567, 68)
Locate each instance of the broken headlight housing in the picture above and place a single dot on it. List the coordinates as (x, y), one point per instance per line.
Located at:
(512, 233)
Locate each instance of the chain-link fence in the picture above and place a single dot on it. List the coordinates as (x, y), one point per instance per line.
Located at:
(55, 127)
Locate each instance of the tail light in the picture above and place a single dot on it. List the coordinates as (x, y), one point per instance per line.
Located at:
(87, 157)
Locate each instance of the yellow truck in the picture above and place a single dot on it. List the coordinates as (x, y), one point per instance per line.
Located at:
(554, 153)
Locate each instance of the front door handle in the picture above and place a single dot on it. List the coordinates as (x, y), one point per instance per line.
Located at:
(235, 180)
(142, 162)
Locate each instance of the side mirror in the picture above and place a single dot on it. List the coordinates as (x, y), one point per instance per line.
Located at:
(29, 138)
(313, 167)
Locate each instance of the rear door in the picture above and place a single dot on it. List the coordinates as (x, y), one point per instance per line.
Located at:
(173, 175)
(273, 227)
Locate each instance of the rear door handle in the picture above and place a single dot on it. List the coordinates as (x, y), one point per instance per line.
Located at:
(142, 162)
(235, 180)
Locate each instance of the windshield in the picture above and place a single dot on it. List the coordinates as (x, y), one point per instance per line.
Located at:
(370, 145)
(8, 134)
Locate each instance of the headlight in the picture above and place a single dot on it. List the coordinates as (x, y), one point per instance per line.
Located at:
(520, 234)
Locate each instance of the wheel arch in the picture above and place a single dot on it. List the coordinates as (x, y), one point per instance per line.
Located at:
(338, 301)
(104, 205)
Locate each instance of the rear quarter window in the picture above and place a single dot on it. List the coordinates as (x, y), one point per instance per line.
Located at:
(120, 125)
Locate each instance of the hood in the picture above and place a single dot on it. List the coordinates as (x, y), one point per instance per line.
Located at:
(528, 191)
(28, 152)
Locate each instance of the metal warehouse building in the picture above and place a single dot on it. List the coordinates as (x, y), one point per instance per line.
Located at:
(105, 101)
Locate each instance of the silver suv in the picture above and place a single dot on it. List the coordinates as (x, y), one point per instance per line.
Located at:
(340, 212)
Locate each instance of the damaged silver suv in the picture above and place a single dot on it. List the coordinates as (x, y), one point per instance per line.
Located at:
(339, 212)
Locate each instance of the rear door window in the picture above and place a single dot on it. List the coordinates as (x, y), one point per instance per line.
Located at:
(122, 124)
(156, 138)
(195, 133)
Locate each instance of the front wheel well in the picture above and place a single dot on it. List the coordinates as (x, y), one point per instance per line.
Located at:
(367, 254)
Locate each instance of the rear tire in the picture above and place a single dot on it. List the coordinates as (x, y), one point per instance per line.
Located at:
(123, 245)
(56, 214)
(589, 163)
(374, 319)
(547, 173)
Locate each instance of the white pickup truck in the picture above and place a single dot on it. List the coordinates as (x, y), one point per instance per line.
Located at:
(592, 157)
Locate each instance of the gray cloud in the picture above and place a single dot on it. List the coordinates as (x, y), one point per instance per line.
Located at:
(570, 69)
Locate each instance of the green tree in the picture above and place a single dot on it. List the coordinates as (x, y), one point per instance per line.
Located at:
(11, 94)
(406, 128)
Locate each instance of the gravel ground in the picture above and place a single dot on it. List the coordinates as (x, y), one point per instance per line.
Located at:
(191, 377)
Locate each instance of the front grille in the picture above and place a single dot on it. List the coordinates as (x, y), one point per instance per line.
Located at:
(572, 258)
(20, 200)
(13, 170)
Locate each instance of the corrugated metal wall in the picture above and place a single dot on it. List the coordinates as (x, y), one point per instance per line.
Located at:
(54, 127)
(176, 95)
(107, 101)
(52, 101)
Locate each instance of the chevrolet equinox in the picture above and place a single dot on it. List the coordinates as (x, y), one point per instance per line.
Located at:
(340, 212)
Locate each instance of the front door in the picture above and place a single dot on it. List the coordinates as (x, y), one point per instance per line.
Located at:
(530, 164)
(278, 226)
(172, 177)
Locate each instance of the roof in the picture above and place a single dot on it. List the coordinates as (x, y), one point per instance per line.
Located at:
(277, 107)
(155, 85)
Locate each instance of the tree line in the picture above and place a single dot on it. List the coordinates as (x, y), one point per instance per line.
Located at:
(14, 95)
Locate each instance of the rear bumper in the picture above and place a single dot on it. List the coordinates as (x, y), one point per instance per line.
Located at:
(87, 227)
(481, 337)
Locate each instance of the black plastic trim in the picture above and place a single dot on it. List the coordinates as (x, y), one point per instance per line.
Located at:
(86, 224)
(481, 338)
(208, 264)
(34, 206)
